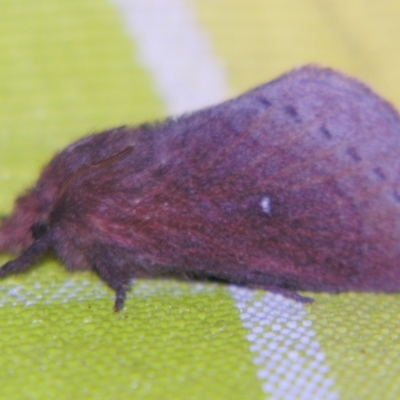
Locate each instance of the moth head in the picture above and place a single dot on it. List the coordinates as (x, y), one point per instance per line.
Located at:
(25, 224)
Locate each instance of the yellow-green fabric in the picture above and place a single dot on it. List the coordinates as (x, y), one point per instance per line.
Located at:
(69, 68)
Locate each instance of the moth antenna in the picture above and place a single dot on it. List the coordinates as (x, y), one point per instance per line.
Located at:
(27, 258)
(86, 168)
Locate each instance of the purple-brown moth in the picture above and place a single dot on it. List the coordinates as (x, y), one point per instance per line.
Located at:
(294, 185)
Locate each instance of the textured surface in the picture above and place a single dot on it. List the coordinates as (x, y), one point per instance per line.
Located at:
(68, 68)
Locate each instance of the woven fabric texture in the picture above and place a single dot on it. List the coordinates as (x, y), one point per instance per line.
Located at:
(70, 68)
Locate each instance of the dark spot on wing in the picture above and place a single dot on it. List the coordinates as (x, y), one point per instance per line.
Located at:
(324, 130)
(292, 113)
(266, 103)
(352, 152)
(379, 173)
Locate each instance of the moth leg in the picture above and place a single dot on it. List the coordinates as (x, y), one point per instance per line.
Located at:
(120, 297)
(289, 294)
(27, 258)
(112, 271)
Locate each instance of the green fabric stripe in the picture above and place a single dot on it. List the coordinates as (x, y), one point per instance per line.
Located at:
(359, 334)
(260, 39)
(172, 341)
(66, 69)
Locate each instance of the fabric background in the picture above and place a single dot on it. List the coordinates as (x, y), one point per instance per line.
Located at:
(69, 68)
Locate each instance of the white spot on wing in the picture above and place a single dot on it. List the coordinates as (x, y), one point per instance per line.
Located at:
(265, 204)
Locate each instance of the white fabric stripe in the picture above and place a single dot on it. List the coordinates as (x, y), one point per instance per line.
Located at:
(173, 48)
(289, 359)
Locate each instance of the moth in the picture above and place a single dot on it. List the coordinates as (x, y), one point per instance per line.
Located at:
(292, 186)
